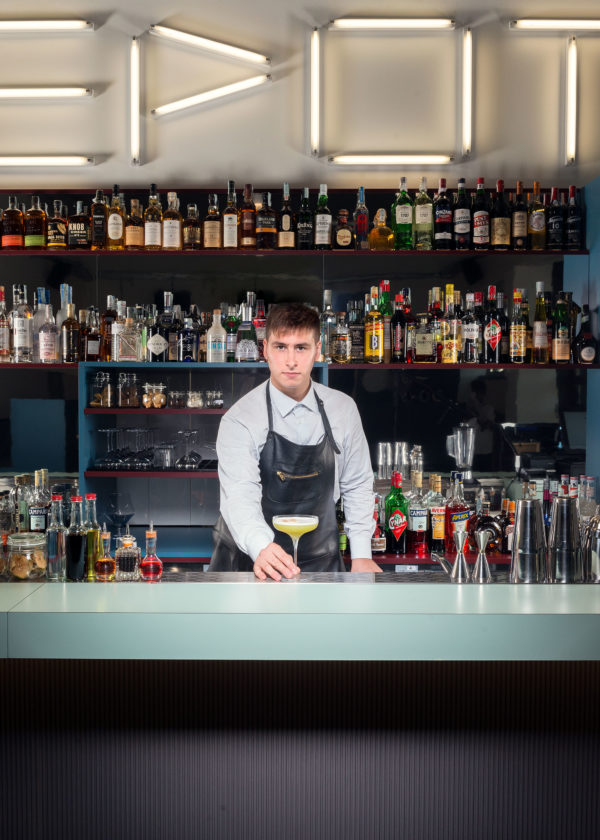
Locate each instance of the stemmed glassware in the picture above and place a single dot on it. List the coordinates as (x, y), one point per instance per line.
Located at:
(190, 460)
(294, 527)
(119, 509)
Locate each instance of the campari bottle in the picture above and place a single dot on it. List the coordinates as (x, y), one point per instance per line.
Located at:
(396, 517)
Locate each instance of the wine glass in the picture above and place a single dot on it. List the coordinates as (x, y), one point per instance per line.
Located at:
(294, 527)
(119, 509)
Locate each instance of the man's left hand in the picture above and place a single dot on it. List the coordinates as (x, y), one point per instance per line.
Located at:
(364, 564)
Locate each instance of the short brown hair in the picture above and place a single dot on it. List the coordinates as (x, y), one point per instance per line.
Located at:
(289, 317)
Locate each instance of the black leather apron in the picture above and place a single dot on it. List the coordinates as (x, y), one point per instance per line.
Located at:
(296, 479)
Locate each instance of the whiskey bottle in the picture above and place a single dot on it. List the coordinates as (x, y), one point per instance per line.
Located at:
(49, 339)
(231, 219)
(192, 231)
(555, 224)
(12, 225)
(248, 219)
(134, 227)
(99, 214)
(361, 222)
(536, 220)
(341, 345)
(171, 224)
(90, 336)
(69, 336)
(21, 326)
(343, 237)
(4, 329)
(323, 221)
(153, 222)
(305, 226)
(381, 237)
(266, 225)
(518, 221)
(374, 332)
(211, 226)
(561, 349)
(573, 226)
(115, 232)
(57, 228)
(286, 228)
(79, 228)
(106, 322)
(35, 225)
(585, 346)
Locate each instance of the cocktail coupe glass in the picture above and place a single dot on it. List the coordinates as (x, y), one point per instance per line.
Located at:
(294, 527)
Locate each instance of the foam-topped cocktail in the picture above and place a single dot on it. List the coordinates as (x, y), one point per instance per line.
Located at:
(294, 527)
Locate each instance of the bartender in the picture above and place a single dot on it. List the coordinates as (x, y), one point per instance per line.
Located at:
(292, 446)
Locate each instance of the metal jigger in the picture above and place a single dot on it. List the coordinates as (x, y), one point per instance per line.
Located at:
(460, 570)
(481, 572)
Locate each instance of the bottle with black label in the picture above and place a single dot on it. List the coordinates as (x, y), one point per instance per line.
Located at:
(266, 225)
(79, 230)
(305, 226)
(157, 345)
(323, 222)
(99, 221)
(585, 346)
(573, 226)
(555, 225)
(343, 237)
(442, 219)
(39, 505)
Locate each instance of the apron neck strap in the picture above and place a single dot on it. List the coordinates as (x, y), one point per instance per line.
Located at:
(269, 406)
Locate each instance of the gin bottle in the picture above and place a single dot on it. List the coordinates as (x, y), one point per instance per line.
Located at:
(423, 218)
(21, 326)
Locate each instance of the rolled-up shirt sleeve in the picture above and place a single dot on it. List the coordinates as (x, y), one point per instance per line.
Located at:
(356, 484)
(240, 487)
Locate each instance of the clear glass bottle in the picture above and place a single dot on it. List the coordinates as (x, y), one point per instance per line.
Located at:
(216, 339)
(416, 541)
(171, 224)
(42, 297)
(423, 230)
(323, 221)
(328, 322)
(159, 332)
(39, 504)
(402, 219)
(211, 226)
(21, 326)
(49, 339)
(93, 542)
(69, 336)
(424, 341)
(127, 559)
(151, 567)
(451, 330)
(35, 225)
(341, 345)
(381, 237)
(12, 225)
(540, 327)
(360, 218)
(4, 328)
(56, 542)
(153, 221)
(134, 227)
(66, 296)
(105, 567)
(231, 219)
(76, 541)
(187, 342)
(286, 224)
(129, 341)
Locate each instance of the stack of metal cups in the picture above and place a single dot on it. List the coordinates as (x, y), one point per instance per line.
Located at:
(591, 550)
(528, 562)
(565, 559)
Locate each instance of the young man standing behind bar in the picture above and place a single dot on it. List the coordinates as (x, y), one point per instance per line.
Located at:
(292, 447)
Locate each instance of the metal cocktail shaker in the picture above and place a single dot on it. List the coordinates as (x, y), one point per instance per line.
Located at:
(565, 562)
(528, 563)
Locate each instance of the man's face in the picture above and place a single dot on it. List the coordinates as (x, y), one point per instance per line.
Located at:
(291, 357)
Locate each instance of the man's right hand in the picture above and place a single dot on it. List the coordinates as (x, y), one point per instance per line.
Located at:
(275, 563)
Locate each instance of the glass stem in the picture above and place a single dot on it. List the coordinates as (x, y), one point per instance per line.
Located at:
(295, 541)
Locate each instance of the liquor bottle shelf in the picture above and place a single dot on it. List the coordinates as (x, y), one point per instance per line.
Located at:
(151, 474)
(255, 252)
(459, 366)
(138, 411)
(35, 366)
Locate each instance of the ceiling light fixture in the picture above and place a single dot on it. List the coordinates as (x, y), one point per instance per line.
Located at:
(467, 92)
(45, 93)
(548, 24)
(209, 95)
(390, 160)
(315, 92)
(208, 44)
(46, 160)
(571, 102)
(391, 23)
(11, 26)
(134, 101)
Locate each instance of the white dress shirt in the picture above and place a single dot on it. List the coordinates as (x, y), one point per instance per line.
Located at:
(242, 435)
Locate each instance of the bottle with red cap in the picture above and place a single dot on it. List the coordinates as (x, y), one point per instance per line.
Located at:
(76, 541)
(93, 538)
(151, 567)
(500, 220)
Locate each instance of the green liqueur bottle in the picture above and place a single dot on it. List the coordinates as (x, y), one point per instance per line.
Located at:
(396, 517)
(402, 219)
(323, 222)
(423, 218)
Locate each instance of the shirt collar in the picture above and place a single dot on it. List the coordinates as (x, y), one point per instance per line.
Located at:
(285, 405)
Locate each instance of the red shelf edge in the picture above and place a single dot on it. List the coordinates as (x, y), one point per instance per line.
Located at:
(151, 474)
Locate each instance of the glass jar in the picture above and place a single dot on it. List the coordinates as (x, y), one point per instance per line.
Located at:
(101, 392)
(176, 399)
(195, 399)
(127, 559)
(27, 556)
(154, 395)
(7, 527)
(129, 396)
(217, 399)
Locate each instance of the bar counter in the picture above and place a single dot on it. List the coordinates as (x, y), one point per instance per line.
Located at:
(344, 617)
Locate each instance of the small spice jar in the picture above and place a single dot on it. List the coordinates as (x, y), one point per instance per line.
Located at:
(27, 556)
(154, 396)
(176, 399)
(128, 396)
(195, 399)
(101, 391)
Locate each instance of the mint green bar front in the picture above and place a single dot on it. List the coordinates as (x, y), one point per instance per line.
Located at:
(249, 620)
(11, 594)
